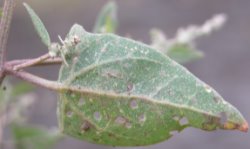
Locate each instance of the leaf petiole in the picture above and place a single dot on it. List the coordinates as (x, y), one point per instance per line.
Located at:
(32, 62)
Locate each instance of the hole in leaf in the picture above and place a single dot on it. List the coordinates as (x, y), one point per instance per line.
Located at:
(142, 118)
(183, 121)
(223, 117)
(133, 104)
(97, 116)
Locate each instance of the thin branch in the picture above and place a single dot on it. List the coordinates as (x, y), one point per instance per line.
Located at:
(32, 62)
(50, 61)
(8, 9)
(52, 85)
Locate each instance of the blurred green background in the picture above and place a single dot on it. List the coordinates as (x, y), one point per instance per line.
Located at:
(226, 65)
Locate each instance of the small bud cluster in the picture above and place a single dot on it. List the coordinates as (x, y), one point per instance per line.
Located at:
(55, 49)
(68, 43)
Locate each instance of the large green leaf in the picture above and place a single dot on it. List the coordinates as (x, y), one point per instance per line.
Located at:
(39, 26)
(107, 19)
(120, 92)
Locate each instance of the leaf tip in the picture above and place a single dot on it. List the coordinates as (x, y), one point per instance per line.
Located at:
(233, 126)
(244, 127)
(26, 5)
(38, 24)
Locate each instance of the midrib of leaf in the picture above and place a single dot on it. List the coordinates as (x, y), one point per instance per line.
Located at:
(114, 96)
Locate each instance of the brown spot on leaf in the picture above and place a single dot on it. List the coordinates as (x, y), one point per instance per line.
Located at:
(211, 123)
(96, 139)
(85, 126)
(111, 135)
(69, 113)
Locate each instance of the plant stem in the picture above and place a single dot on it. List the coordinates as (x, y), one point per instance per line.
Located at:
(52, 85)
(32, 62)
(49, 61)
(8, 9)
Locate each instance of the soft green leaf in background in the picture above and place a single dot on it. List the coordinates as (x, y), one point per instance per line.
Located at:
(39, 26)
(120, 92)
(30, 137)
(107, 19)
(1, 12)
(182, 48)
(180, 52)
(184, 53)
(22, 88)
(5, 95)
(25, 136)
